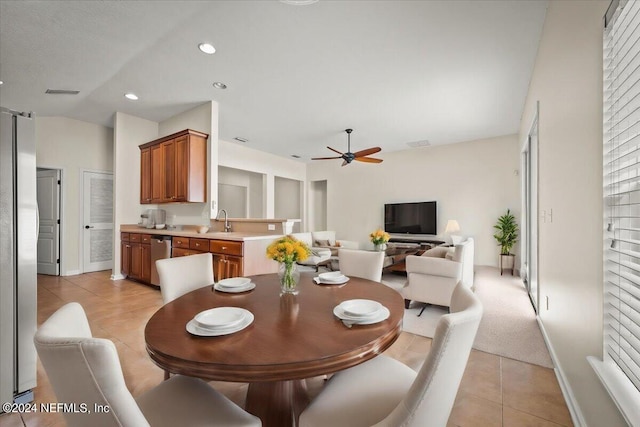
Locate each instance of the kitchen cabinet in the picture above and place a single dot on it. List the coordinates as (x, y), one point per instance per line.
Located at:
(177, 170)
(136, 256)
(145, 171)
(125, 254)
(228, 260)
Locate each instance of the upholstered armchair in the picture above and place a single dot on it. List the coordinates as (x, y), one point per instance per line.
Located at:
(432, 276)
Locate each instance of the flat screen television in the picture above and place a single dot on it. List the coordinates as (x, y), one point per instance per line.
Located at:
(411, 218)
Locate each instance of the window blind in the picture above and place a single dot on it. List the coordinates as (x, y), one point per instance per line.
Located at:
(621, 188)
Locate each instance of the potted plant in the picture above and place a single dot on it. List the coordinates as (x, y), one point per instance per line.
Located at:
(507, 236)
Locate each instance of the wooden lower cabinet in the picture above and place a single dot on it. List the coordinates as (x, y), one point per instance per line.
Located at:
(225, 266)
(140, 262)
(125, 255)
(178, 252)
(135, 257)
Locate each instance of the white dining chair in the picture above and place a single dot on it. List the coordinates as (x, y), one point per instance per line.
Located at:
(182, 275)
(383, 392)
(364, 264)
(86, 371)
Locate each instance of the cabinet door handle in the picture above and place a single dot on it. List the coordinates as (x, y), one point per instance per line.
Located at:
(197, 244)
(224, 247)
(127, 246)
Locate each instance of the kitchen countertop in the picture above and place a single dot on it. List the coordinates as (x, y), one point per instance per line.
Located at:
(190, 231)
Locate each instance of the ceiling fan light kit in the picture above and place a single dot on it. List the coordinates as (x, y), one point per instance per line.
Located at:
(348, 157)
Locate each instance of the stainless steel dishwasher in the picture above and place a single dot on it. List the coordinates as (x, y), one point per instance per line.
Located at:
(160, 249)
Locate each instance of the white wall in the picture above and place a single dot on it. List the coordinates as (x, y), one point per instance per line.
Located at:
(252, 181)
(72, 145)
(129, 133)
(288, 198)
(567, 80)
(234, 155)
(473, 183)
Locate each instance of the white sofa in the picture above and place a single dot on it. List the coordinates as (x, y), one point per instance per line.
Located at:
(432, 277)
(324, 247)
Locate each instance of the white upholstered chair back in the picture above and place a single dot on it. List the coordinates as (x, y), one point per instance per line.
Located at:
(464, 253)
(181, 275)
(83, 369)
(433, 392)
(364, 264)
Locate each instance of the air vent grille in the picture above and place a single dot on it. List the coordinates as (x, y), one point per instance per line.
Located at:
(62, 92)
(415, 144)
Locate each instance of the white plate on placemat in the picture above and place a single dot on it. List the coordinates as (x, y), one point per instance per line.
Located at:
(360, 307)
(234, 282)
(220, 317)
(245, 288)
(320, 281)
(194, 329)
(382, 314)
(332, 276)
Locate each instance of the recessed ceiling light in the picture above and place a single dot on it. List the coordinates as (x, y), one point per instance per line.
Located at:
(131, 96)
(241, 139)
(219, 85)
(207, 48)
(1, 82)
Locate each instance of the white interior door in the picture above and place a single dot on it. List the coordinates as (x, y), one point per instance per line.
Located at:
(48, 191)
(97, 228)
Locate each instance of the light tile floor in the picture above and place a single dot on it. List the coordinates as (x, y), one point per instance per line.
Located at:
(495, 391)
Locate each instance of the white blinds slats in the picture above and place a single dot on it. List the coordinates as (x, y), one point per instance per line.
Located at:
(621, 188)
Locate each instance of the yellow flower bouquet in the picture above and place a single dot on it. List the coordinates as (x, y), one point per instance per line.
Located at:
(287, 250)
(379, 237)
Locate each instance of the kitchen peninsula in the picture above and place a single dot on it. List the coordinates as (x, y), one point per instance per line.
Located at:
(235, 253)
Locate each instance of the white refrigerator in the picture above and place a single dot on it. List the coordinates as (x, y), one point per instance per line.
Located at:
(18, 255)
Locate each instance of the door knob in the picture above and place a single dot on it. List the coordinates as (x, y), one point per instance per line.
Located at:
(88, 226)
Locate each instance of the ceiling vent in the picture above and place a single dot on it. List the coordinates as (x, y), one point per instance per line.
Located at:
(62, 92)
(416, 144)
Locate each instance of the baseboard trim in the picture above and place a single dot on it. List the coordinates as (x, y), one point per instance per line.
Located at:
(118, 277)
(71, 273)
(572, 404)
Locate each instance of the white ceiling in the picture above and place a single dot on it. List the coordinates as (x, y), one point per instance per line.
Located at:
(394, 71)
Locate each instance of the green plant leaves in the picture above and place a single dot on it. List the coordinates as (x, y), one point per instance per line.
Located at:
(507, 234)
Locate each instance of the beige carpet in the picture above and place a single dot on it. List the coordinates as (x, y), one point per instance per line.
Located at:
(508, 327)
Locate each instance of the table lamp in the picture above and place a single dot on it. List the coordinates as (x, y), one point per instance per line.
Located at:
(452, 227)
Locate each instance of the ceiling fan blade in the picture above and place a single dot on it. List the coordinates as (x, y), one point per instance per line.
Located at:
(334, 150)
(366, 152)
(368, 159)
(326, 158)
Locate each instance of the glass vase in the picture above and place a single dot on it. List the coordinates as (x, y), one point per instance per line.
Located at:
(380, 247)
(289, 278)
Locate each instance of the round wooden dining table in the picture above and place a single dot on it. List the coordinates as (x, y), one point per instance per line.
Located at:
(292, 337)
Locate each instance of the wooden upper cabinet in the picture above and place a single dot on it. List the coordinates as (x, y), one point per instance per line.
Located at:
(177, 170)
(156, 174)
(145, 174)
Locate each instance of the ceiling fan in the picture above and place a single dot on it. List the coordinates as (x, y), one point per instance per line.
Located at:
(348, 157)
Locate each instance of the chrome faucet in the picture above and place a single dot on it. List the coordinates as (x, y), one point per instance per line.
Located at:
(227, 226)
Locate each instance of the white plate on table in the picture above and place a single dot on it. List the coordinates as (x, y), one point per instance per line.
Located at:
(320, 281)
(360, 307)
(332, 276)
(249, 286)
(379, 316)
(220, 317)
(194, 329)
(234, 282)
